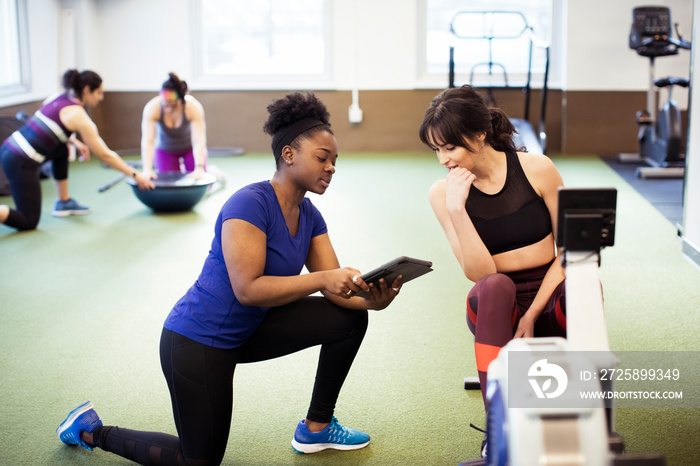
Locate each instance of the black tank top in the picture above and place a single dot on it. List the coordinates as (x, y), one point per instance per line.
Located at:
(513, 218)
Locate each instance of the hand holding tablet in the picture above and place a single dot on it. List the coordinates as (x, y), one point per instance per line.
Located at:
(408, 267)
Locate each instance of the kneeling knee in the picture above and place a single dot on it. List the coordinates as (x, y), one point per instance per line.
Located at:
(497, 283)
(360, 321)
(28, 227)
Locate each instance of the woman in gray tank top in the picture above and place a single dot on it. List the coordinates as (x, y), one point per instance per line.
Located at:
(173, 132)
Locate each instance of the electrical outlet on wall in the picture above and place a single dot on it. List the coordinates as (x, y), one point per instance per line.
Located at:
(355, 114)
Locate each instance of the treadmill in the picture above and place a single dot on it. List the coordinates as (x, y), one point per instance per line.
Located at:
(499, 25)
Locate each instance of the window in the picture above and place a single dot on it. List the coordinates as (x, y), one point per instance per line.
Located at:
(473, 50)
(262, 43)
(14, 72)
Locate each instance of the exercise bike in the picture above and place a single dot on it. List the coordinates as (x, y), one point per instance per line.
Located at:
(659, 136)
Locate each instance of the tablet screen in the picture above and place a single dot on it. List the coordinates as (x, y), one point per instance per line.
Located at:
(408, 267)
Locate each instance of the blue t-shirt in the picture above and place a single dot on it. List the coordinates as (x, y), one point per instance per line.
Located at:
(209, 312)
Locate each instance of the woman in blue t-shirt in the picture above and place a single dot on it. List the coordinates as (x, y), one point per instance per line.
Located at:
(251, 303)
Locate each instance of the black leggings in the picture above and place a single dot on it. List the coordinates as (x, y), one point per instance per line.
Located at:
(200, 379)
(23, 175)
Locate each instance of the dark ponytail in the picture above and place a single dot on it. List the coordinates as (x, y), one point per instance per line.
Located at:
(460, 113)
(502, 130)
(174, 83)
(75, 81)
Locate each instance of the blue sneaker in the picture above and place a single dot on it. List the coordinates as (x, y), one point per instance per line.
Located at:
(334, 436)
(69, 207)
(82, 418)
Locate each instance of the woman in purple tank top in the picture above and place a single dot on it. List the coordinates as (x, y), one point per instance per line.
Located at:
(173, 132)
(46, 137)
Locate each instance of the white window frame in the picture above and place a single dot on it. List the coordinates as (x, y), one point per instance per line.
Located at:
(204, 80)
(23, 84)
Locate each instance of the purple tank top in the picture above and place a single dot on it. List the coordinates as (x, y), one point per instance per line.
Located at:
(44, 137)
(54, 107)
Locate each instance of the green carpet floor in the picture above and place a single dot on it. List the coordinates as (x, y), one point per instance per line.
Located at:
(83, 299)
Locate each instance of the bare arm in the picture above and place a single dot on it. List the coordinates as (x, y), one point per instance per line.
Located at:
(82, 149)
(322, 257)
(151, 113)
(466, 244)
(546, 180)
(198, 126)
(75, 118)
(245, 262)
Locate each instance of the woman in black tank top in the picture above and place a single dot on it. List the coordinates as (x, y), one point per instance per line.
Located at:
(497, 207)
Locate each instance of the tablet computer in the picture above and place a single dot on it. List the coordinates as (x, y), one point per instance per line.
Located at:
(408, 267)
